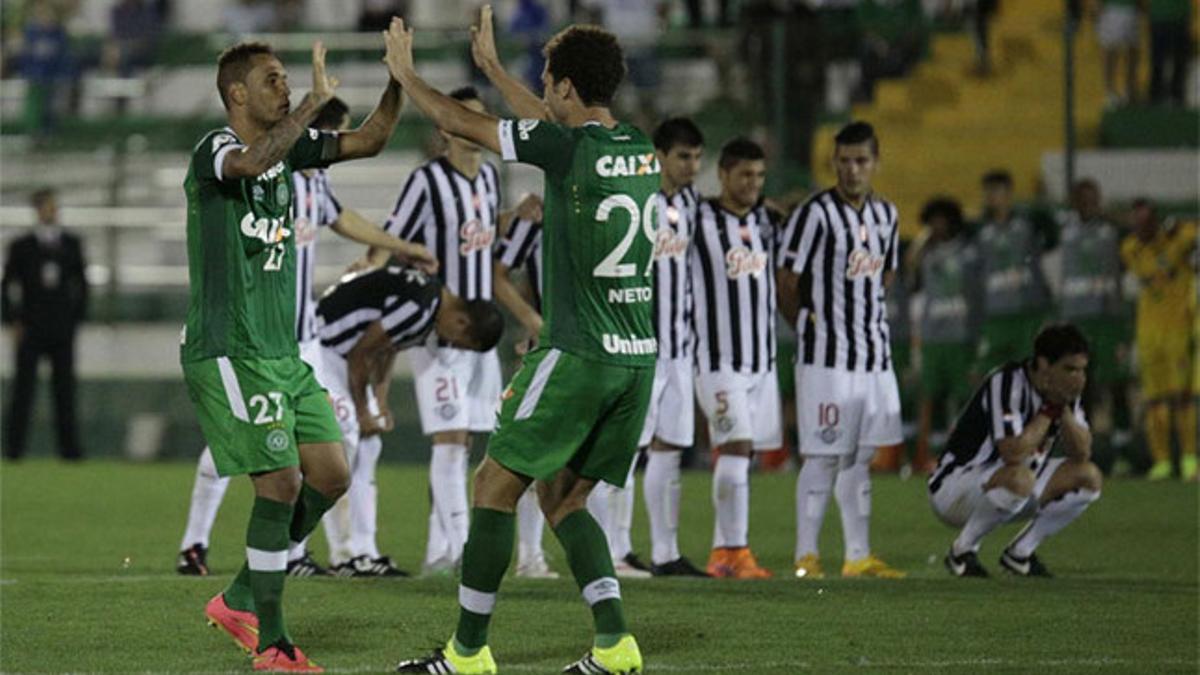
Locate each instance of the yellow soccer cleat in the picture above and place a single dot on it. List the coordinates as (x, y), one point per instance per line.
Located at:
(1187, 467)
(446, 660)
(871, 566)
(623, 658)
(809, 567)
(1160, 471)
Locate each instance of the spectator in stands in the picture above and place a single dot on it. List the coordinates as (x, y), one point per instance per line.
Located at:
(44, 296)
(134, 27)
(639, 23)
(695, 9)
(1117, 30)
(1170, 49)
(1016, 295)
(1161, 258)
(243, 17)
(530, 25)
(982, 12)
(376, 15)
(46, 65)
(946, 267)
(1089, 296)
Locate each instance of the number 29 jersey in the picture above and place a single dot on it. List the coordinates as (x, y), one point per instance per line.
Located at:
(242, 250)
(599, 227)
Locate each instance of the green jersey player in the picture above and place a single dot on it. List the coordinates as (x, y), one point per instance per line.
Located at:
(573, 413)
(259, 406)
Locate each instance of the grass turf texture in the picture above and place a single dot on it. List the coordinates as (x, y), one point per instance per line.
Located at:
(87, 583)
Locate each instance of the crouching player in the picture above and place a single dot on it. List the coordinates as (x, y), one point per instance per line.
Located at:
(997, 466)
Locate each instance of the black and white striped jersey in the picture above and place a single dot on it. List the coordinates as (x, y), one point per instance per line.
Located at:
(314, 207)
(1001, 408)
(733, 287)
(455, 217)
(404, 299)
(522, 246)
(841, 255)
(672, 280)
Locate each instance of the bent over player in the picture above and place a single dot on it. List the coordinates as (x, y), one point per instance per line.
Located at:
(997, 465)
(571, 416)
(260, 408)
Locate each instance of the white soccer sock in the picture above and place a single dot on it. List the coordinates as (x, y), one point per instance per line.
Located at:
(530, 523)
(660, 489)
(620, 541)
(813, 486)
(207, 492)
(853, 492)
(448, 479)
(336, 522)
(731, 500)
(1050, 519)
(998, 507)
(362, 497)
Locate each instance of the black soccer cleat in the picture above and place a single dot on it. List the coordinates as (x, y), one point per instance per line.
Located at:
(1024, 567)
(306, 567)
(635, 562)
(193, 561)
(363, 566)
(679, 567)
(965, 565)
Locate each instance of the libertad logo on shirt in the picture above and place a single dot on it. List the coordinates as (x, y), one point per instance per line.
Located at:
(611, 166)
(669, 244)
(862, 263)
(475, 237)
(741, 261)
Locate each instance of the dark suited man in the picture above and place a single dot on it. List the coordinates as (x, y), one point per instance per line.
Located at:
(44, 299)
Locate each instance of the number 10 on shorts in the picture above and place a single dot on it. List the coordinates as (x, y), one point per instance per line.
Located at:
(828, 415)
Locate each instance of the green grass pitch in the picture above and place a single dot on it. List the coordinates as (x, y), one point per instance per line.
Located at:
(87, 585)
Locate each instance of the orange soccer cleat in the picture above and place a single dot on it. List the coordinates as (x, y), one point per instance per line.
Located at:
(277, 660)
(745, 565)
(241, 626)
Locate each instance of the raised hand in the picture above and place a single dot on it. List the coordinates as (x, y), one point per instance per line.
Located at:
(398, 40)
(530, 208)
(483, 41)
(323, 83)
(418, 256)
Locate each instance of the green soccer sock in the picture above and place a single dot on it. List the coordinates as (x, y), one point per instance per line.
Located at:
(309, 508)
(238, 595)
(266, 559)
(485, 559)
(591, 563)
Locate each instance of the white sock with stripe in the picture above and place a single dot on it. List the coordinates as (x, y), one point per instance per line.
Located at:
(813, 486)
(853, 492)
(998, 506)
(731, 500)
(1051, 518)
(530, 524)
(208, 491)
(661, 488)
(448, 480)
(362, 498)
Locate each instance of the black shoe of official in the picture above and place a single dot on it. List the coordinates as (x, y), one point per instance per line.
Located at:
(193, 561)
(965, 565)
(306, 567)
(364, 566)
(635, 562)
(1024, 567)
(679, 567)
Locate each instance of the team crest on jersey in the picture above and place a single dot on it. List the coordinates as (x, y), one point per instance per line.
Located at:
(741, 261)
(615, 166)
(524, 127)
(447, 411)
(669, 244)
(829, 435)
(862, 263)
(277, 440)
(473, 236)
(257, 193)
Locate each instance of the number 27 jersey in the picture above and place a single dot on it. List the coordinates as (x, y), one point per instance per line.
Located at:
(599, 226)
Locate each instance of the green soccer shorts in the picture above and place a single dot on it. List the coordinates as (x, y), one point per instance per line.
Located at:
(255, 413)
(564, 411)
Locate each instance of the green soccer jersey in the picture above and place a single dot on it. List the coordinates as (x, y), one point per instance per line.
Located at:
(598, 240)
(241, 252)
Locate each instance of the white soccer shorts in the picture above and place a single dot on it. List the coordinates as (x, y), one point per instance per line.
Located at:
(838, 411)
(961, 491)
(741, 407)
(671, 416)
(336, 371)
(457, 389)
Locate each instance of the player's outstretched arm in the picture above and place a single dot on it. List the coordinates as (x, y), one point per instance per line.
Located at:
(372, 135)
(449, 115)
(523, 102)
(352, 225)
(268, 150)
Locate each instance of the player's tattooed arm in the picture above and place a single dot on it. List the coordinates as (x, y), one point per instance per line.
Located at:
(269, 149)
(523, 102)
(450, 115)
(372, 135)
(352, 225)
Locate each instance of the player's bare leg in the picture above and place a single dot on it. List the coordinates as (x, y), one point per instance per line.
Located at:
(731, 556)
(1071, 490)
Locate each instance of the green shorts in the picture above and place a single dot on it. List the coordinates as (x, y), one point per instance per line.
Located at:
(1007, 338)
(564, 411)
(1107, 339)
(946, 371)
(255, 413)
